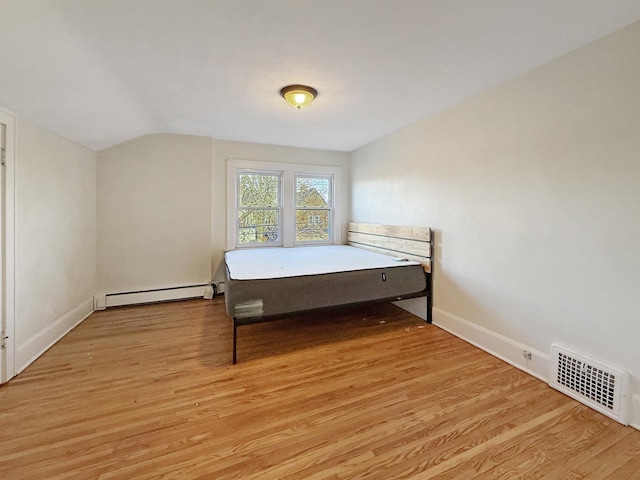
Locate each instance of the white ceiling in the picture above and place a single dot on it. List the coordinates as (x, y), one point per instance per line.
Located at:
(100, 72)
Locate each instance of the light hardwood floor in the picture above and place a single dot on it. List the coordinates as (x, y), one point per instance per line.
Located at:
(149, 392)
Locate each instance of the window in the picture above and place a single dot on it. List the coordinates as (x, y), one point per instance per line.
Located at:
(313, 208)
(259, 208)
(275, 204)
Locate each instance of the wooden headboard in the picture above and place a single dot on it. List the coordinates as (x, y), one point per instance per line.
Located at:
(412, 243)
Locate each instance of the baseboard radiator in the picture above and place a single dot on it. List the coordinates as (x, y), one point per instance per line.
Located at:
(600, 386)
(149, 296)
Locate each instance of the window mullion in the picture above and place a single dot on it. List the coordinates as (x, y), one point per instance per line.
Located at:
(288, 208)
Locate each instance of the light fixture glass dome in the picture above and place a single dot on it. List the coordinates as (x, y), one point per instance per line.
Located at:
(298, 96)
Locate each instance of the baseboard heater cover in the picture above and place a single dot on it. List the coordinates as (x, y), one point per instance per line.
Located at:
(598, 385)
(157, 295)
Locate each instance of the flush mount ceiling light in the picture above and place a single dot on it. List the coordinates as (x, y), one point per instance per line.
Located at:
(298, 96)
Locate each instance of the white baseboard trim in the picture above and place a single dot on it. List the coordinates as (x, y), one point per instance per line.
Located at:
(151, 296)
(634, 414)
(501, 347)
(497, 345)
(29, 351)
(493, 343)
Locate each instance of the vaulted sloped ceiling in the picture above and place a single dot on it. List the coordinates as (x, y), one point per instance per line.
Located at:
(100, 72)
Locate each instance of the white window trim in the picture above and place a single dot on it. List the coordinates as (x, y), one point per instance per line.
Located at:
(288, 172)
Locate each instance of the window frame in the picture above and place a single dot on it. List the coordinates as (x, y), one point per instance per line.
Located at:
(288, 173)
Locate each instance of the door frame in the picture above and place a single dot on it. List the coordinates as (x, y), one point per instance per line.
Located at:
(7, 243)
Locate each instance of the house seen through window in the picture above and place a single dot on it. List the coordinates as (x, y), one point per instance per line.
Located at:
(313, 208)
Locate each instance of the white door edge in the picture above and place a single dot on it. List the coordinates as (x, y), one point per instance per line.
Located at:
(7, 360)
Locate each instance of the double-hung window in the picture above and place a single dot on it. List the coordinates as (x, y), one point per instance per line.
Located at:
(314, 212)
(259, 207)
(278, 204)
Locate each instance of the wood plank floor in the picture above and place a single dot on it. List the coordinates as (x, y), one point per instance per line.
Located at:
(149, 392)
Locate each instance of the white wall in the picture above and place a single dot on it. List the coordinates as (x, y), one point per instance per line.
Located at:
(533, 191)
(55, 238)
(224, 150)
(154, 213)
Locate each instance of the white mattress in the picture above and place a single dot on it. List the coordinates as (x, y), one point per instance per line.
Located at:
(265, 263)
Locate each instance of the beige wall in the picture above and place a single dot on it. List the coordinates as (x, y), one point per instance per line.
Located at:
(55, 238)
(533, 191)
(149, 213)
(162, 206)
(154, 213)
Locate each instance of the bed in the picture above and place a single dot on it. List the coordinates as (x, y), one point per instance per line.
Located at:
(380, 263)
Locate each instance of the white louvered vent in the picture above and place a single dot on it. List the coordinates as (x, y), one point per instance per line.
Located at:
(597, 385)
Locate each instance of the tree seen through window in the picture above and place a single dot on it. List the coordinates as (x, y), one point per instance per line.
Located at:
(259, 208)
(262, 208)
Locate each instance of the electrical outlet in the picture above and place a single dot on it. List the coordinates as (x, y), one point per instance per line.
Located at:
(526, 354)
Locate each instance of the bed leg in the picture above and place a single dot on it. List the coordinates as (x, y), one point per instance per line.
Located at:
(235, 335)
(429, 297)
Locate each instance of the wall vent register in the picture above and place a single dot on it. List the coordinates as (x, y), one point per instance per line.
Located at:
(594, 383)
